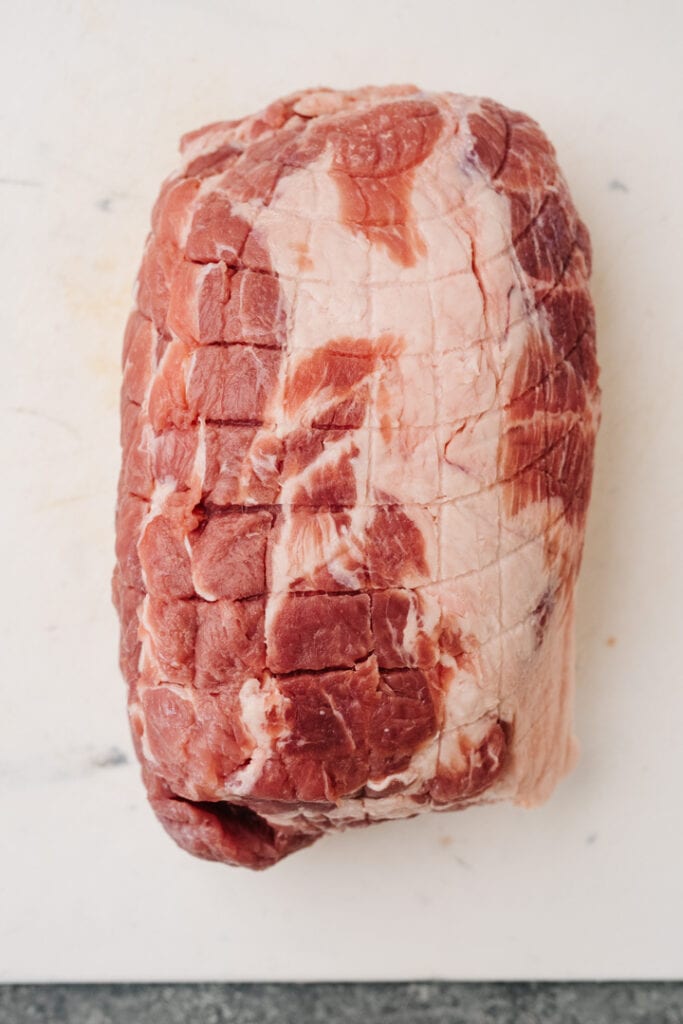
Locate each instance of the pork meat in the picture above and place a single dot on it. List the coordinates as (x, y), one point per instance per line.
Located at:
(359, 405)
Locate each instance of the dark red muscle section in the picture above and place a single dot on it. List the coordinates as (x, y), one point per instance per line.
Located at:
(164, 559)
(219, 831)
(197, 303)
(404, 719)
(331, 485)
(390, 611)
(232, 383)
(172, 628)
(139, 344)
(229, 555)
(482, 765)
(242, 465)
(173, 456)
(127, 600)
(374, 157)
(548, 439)
(349, 725)
(194, 747)
(254, 313)
(331, 373)
(319, 631)
(395, 547)
(230, 643)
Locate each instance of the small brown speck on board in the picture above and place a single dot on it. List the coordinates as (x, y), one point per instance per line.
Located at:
(611, 641)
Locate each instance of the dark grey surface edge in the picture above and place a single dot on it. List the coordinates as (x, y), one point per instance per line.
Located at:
(376, 1003)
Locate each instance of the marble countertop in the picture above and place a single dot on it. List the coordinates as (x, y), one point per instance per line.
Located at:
(95, 96)
(426, 1003)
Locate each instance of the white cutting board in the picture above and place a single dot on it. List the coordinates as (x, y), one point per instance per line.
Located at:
(94, 97)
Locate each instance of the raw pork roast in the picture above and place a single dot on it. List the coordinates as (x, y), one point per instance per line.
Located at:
(359, 409)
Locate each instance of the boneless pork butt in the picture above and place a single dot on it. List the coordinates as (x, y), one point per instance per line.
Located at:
(360, 399)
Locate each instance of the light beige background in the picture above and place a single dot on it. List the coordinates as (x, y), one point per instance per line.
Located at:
(95, 96)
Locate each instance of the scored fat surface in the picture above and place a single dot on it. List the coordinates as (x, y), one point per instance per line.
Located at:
(359, 408)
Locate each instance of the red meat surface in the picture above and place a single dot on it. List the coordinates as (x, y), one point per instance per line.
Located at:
(359, 406)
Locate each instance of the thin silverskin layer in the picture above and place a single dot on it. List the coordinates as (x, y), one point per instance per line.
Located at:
(359, 406)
